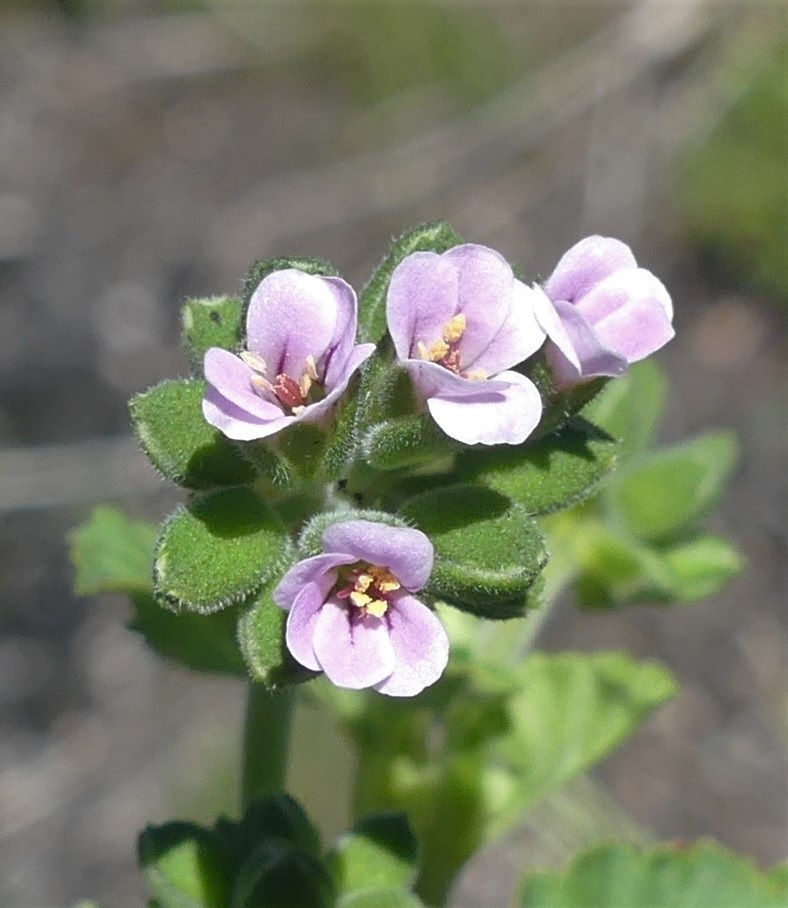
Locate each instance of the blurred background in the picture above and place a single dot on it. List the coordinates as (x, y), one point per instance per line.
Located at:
(150, 150)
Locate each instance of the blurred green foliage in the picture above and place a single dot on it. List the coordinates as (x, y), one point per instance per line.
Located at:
(733, 189)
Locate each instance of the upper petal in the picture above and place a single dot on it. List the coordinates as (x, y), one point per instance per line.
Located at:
(625, 287)
(352, 653)
(293, 315)
(421, 648)
(503, 411)
(586, 264)
(408, 553)
(485, 287)
(422, 298)
(519, 336)
(318, 569)
(550, 321)
(333, 364)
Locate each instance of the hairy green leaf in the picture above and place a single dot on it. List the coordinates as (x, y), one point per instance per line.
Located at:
(213, 322)
(217, 550)
(172, 430)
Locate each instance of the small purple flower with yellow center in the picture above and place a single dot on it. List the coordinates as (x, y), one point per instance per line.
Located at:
(601, 312)
(353, 615)
(301, 353)
(459, 321)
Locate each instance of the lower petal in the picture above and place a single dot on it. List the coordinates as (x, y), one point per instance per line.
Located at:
(503, 411)
(237, 423)
(353, 654)
(592, 354)
(421, 648)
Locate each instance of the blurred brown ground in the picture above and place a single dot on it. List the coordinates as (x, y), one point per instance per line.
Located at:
(147, 156)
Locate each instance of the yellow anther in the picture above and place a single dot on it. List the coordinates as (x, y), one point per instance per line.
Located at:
(377, 607)
(262, 384)
(310, 368)
(455, 328)
(305, 384)
(475, 375)
(359, 599)
(437, 351)
(363, 581)
(384, 580)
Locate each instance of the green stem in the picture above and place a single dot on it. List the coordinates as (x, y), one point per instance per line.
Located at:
(266, 739)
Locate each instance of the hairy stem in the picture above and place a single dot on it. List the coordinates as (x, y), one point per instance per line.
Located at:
(265, 743)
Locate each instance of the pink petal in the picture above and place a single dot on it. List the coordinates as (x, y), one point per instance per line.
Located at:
(353, 654)
(232, 378)
(235, 422)
(318, 570)
(421, 648)
(503, 411)
(301, 622)
(408, 553)
(293, 315)
(593, 355)
(585, 265)
(485, 297)
(519, 337)
(422, 297)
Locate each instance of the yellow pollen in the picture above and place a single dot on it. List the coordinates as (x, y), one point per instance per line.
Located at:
(437, 351)
(360, 599)
(310, 368)
(384, 580)
(454, 329)
(262, 384)
(305, 384)
(377, 607)
(475, 375)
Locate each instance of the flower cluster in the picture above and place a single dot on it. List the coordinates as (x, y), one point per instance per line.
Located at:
(465, 330)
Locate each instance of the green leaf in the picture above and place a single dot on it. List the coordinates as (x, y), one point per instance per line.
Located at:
(437, 237)
(703, 875)
(631, 406)
(617, 569)
(112, 553)
(205, 643)
(554, 472)
(380, 898)
(278, 876)
(261, 636)
(262, 269)
(278, 817)
(702, 566)
(569, 712)
(184, 866)
(488, 549)
(213, 322)
(669, 491)
(379, 852)
(172, 430)
(217, 550)
(406, 441)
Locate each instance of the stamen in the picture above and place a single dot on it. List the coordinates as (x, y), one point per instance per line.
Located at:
(254, 361)
(288, 391)
(370, 589)
(455, 328)
(311, 368)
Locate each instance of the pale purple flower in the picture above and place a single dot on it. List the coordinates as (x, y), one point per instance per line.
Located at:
(601, 312)
(300, 354)
(353, 615)
(460, 321)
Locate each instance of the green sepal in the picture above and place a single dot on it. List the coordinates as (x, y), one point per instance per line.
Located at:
(406, 441)
(310, 540)
(173, 432)
(302, 447)
(666, 493)
(262, 269)
(213, 322)
(681, 876)
(559, 405)
(261, 637)
(185, 866)
(553, 473)
(340, 447)
(217, 550)
(488, 549)
(378, 852)
(276, 875)
(630, 408)
(437, 237)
